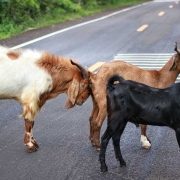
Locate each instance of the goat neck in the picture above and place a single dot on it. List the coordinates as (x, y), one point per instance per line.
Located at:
(168, 76)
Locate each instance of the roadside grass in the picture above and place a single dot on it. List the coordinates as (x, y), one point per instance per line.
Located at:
(9, 28)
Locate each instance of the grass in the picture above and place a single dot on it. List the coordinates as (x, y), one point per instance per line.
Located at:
(9, 28)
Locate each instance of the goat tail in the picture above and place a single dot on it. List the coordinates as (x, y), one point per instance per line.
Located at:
(115, 79)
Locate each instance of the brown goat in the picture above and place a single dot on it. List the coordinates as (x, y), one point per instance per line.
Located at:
(155, 78)
(32, 77)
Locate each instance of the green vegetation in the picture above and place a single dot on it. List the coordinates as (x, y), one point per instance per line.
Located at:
(21, 15)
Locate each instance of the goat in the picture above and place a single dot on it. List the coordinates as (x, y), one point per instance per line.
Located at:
(32, 77)
(155, 78)
(130, 101)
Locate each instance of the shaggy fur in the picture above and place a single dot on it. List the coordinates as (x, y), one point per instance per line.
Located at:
(32, 77)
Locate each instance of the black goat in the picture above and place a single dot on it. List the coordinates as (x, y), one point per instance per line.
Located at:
(140, 104)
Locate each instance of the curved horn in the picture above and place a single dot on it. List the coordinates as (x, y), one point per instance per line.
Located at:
(83, 70)
(176, 49)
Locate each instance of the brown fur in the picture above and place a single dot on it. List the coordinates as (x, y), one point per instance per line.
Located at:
(159, 79)
(13, 55)
(58, 75)
(66, 78)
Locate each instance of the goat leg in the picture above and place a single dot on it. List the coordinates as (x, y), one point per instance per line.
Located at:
(104, 142)
(96, 136)
(97, 124)
(116, 143)
(145, 142)
(93, 116)
(178, 136)
(29, 140)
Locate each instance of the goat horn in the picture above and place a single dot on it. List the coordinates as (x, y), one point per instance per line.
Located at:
(83, 70)
(176, 49)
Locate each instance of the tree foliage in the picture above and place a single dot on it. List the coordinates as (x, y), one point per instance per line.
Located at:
(20, 10)
(20, 15)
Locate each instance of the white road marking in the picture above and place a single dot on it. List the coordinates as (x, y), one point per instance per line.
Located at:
(171, 6)
(146, 60)
(78, 25)
(166, 1)
(143, 60)
(142, 28)
(161, 13)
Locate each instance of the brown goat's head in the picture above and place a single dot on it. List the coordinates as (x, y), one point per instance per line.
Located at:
(176, 58)
(79, 90)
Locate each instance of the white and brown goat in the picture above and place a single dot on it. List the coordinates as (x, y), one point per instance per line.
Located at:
(31, 77)
(155, 78)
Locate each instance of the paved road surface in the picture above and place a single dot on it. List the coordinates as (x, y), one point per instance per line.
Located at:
(65, 152)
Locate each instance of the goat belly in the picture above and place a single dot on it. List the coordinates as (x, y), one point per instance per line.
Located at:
(16, 75)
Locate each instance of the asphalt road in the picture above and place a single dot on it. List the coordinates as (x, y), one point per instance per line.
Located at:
(65, 151)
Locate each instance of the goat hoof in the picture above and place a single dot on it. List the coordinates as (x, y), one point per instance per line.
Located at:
(145, 142)
(35, 143)
(97, 148)
(92, 141)
(123, 163)
(146, 145)
(32, 149)
(104, 169)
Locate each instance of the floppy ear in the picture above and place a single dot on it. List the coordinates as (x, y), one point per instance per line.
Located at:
(69, 104)
(72, 92)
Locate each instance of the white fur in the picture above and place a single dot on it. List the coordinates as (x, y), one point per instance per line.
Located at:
(30, 144)
(22, 78)
(144, 142)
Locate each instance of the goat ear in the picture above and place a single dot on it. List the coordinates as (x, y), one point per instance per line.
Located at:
(174, 66)
(72, 92)
(69, 104)
(84, 72)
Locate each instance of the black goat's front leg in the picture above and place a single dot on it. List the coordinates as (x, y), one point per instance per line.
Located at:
(104, 142)
(178, 136)
(116, 143)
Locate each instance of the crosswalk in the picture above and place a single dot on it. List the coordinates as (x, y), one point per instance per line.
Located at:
(154, 61)
(146, 60)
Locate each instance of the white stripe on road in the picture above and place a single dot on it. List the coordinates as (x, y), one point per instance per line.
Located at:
(161, 13)
(142, 28)
(171, 6)
(176, 1)
(78, 25)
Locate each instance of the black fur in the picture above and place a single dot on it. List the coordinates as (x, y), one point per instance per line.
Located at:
(139, 104)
